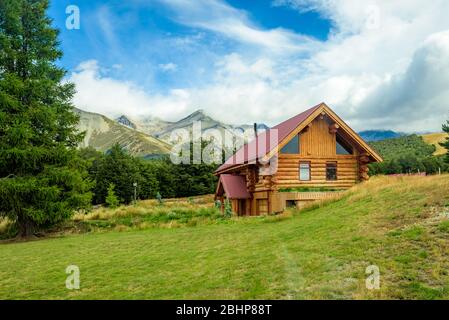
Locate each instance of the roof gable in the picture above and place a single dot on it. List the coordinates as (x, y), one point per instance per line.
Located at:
(249, 152)
(233, 186)
(285, 132)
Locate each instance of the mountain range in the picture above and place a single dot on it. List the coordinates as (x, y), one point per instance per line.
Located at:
(377, 135)
(150, 136)
(146, 137)
(163, 129)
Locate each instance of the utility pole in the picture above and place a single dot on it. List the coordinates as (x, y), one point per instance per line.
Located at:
(135, 192)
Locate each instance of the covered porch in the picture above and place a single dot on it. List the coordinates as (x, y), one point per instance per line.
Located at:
(233, 188)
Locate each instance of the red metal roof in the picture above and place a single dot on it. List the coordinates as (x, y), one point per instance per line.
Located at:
(248, 152)
(233, 186)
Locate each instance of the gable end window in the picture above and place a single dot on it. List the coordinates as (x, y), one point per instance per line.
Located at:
(331, 171)
(343, 147)
(304, 171)
(292, 147)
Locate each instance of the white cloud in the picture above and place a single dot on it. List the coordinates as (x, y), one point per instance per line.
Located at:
(99, 93)
(104, 95)
(385, 65)
(104, 19)
(217, 16)
(168, 67)
(419, 95)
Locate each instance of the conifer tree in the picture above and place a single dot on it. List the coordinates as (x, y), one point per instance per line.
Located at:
(122, 170)
(111, 199)
(41, 179)
(445, 144)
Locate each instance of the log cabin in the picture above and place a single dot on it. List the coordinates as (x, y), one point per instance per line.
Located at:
(306, 158)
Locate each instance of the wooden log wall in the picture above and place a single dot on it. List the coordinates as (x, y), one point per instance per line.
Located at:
(318, 146)
(318, 139)
(288, 172)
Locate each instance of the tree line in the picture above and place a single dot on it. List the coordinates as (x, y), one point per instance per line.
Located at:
(144, 179)
(409, 164)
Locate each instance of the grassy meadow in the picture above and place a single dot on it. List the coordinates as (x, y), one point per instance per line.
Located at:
(185, 249)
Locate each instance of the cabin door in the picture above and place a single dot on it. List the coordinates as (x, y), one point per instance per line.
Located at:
(262, 206)
(241, 208)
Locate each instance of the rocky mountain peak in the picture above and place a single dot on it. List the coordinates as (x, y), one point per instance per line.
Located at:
(124, 120)
(196, 115)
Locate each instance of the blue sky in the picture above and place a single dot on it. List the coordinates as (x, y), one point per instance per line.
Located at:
(143, 37)
(261, 60)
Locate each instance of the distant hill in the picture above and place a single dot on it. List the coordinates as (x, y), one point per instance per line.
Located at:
(377, 135)
(413, 145)
(162, 129)
(434, 139)
(102, 133)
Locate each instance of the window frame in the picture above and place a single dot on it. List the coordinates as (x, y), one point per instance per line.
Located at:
(310, 170)
(334, 164)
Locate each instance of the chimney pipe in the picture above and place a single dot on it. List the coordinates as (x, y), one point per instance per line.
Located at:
(257, 143)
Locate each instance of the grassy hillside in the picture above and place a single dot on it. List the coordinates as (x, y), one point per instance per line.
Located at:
(434, 139)
(399, 224)
(412, 145)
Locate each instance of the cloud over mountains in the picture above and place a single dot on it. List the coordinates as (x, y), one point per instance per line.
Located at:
(384, 65)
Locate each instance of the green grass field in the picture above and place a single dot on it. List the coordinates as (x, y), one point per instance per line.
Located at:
(399, 224)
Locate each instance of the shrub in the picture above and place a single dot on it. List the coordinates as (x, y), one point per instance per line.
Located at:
(444, 226)
(159, 198)
(228, 209)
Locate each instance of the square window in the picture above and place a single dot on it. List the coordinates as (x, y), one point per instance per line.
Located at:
(290, 204)
(304, 171)
(331, 171)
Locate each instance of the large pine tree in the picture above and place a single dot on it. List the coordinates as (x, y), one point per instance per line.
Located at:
(41, 179)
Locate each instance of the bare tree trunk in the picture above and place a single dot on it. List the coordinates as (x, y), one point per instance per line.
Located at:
(26, 228)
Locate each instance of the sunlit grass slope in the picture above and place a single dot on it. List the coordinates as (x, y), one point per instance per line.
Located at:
(399, 224)
(435, 139)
